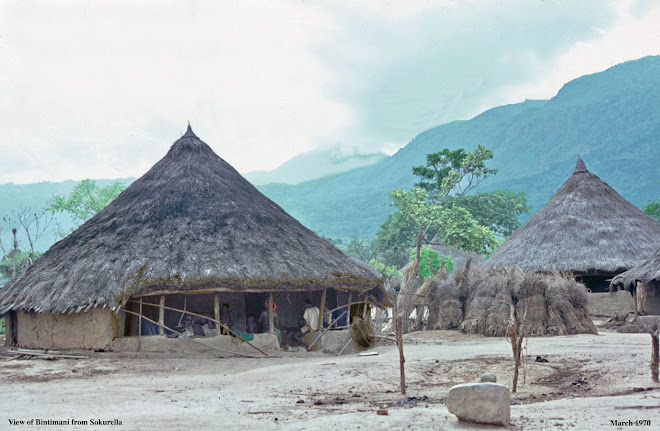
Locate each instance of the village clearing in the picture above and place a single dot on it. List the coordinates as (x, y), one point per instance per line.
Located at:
(588, 381)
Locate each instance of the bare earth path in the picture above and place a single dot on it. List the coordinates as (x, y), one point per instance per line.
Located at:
(588, 381)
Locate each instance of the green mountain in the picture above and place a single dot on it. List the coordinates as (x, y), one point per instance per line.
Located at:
(611, 119)
(313, 165)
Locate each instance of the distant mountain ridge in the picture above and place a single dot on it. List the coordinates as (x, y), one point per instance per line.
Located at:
(313, 165)
(611, 119)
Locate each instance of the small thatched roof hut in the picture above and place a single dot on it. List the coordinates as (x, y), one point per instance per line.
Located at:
(643, 280)
(191, 224)
(586, 229)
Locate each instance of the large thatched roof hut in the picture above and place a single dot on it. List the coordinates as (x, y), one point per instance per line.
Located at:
(586, 229)
(643, 280)
(190, 229)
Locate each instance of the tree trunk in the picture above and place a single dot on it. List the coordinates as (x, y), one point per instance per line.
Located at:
(654, 353)
(399, 343)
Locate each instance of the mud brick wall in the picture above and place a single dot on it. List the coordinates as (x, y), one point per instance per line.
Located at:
(94, 329)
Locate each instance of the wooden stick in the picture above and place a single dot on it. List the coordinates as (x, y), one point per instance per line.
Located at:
(47, 354)
(161, 316)
(216, 307)
(398, 324)
(345, 346)
(140, 319)
(320, 325)
(52, 352)
(213, 320)
(195, 341)
(348, 318)
(185, 301)
(517, 346)
(325, 330)
(654, 352)
(271, 314)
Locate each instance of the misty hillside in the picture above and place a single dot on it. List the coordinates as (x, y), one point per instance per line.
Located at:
(313, 165)
(611, 119)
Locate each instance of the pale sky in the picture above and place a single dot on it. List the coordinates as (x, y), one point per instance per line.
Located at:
(101, 89)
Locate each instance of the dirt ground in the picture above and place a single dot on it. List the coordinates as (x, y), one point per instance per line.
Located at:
(588, 381)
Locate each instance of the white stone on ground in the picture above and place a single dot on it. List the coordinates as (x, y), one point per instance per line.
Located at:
(487, 403)
(488, 378)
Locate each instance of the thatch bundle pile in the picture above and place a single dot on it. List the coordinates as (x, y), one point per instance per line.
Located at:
(479, 301)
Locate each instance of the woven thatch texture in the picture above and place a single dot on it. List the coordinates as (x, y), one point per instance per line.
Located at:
(557, 304)
(459, 257)
(645, 271)
(585, 228)
(191, 222)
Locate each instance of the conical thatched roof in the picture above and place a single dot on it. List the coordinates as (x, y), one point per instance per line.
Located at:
(191, 222)
(646, 271)
(585, 228)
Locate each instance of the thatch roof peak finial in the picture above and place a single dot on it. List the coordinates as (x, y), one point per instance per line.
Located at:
(189, 133)
(580, 166)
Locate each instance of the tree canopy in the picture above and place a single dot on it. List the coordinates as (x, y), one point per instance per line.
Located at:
(85, 200)
(652, 208)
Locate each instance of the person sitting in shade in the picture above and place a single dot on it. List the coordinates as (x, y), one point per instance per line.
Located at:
(263, 321)
(226, 318)
(252, 325)
(311, 317)
(311, 323)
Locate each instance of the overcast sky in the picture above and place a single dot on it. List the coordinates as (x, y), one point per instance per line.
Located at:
(101, 89)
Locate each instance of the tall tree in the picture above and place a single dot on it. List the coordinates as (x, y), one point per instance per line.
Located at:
(19, 254)
(395, 238)
(85, 200)
(498, 209)
(446, 172)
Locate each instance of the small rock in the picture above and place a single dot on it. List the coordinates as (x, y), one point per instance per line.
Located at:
(382, 412)
(487, 403)
(318, 402)
(300, 402)
(540, 359)
(488, 378)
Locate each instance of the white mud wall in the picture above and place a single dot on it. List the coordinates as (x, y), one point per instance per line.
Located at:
(94, 329)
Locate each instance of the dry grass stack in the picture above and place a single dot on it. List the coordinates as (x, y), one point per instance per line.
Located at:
(479, 301)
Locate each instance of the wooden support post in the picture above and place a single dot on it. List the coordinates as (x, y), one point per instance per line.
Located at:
(634, 294)
(641, 298)
(161, 316)
(271, 314)
(216, 309)
(348, 318)
(325, 291)
(655, 361)
(398, 328)
(140, 319)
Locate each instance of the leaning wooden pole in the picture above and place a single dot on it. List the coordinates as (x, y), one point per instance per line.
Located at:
(217, 322)
(655, 332)
(192, 339)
